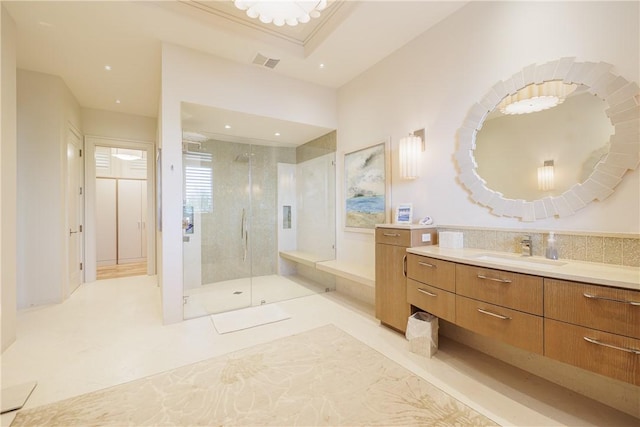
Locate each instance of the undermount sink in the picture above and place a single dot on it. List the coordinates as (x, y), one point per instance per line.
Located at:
(519, 260)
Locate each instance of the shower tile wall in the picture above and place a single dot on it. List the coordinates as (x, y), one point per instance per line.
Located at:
(222, 243)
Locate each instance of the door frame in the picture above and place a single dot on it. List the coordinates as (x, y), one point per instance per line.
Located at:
(90, 199)
(78, 144)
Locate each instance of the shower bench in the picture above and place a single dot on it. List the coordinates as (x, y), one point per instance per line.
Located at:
(355, 273)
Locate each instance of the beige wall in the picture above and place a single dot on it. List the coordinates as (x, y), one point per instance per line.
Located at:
(433, 81)
(46, 109)
(8, 212)
(110, 124)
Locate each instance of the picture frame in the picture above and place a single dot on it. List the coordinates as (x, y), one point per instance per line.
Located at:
(404, 213)
(366, 187)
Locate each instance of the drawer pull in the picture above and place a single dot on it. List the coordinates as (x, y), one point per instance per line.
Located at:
(426, 264)
(499, 316)
(480, 276)
(622, 301)
(427, 292)
(391, 234)
(615, 347)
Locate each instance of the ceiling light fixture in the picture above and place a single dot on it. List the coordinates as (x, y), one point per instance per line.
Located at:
(107, 67)
(117, 101)
(282, 12)
(227, 126)
(124, 156)
(536, 97)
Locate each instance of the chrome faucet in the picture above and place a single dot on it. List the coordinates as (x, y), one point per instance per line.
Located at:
(526, 246)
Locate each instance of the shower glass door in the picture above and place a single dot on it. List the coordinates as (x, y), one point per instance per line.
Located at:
(216, 221)
(232, 230)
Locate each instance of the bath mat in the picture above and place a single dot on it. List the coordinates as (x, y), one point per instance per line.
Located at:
(319, 377)
(248, 318)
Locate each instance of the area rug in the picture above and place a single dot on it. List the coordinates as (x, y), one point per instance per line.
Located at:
(246, 318)
(320, 377)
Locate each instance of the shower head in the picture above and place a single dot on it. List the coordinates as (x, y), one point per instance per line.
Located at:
(243, 158)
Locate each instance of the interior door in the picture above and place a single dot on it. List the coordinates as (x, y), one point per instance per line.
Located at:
(75, 210)
(130, 220)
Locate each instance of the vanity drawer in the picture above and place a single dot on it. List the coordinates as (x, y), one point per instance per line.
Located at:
(393, 236)
(513, 290)
(510, 326)
(434, 272)
(440, 303)
(598, 307)
(567, 343)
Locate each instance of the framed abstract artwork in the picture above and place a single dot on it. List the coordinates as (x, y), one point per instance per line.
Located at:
(366, 187)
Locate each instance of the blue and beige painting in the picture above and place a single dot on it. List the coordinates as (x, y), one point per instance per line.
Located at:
(365, 187)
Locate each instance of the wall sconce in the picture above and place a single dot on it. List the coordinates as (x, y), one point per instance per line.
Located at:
(409, 149)
(545, 176)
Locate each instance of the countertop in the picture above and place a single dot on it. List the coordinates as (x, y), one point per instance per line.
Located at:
(565, 269)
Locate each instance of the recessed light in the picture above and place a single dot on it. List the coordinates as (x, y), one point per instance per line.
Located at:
(107, 67)
(117, 101)
(45, 24)
(227, 126)
(321, 65)
(277, 134)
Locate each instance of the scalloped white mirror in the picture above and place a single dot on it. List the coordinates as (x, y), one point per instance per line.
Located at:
(603, 160)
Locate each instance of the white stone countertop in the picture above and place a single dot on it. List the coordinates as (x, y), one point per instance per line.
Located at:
(565, 269)
(406, 226)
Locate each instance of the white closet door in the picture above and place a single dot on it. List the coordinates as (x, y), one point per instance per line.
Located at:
(106, 224)
(143, 217)
(129, 221)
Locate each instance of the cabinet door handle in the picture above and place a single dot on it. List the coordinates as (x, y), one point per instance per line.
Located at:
(404, 266)
(480, 276)
(615, 347)
(499, 316)
(391, 234)
(621, 301)
(426, 264)
(427, 292)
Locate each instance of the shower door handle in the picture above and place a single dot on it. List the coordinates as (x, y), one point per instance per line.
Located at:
(244, 235)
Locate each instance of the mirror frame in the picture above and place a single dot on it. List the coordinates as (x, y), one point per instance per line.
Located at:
(622, 98)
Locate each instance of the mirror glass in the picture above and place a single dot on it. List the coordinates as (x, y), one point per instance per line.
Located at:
(511, 147)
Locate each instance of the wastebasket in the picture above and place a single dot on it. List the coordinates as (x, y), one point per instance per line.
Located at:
(422, 333)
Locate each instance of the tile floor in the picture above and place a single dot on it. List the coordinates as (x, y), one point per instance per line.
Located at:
(110, 332)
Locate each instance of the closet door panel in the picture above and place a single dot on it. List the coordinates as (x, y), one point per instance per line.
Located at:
(143, 218)
(129, 221)
(106, 222)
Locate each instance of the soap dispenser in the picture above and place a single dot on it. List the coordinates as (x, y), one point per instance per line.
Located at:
(551, 252)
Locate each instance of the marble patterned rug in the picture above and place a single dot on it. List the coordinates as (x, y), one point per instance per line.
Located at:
(320, 377)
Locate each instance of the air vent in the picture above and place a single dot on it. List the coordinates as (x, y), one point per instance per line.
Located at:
(265, 62)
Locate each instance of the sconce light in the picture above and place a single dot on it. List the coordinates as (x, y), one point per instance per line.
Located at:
(545, 176)
(409, 149)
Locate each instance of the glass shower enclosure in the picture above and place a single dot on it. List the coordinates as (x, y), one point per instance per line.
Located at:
(231, 225)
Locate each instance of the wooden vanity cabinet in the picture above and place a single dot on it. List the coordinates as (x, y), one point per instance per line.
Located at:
(431, 285)
(501, 304)
(593, 327)
(518, 291)
(392, 308)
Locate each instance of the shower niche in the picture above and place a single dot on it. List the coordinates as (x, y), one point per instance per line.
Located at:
(246, 203)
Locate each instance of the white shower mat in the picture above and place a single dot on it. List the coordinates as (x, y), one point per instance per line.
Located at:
(248, 318)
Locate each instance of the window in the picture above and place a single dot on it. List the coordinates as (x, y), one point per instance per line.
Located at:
(198, 181)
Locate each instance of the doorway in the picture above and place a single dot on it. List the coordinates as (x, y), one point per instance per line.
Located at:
(120, 201)
(75, 209)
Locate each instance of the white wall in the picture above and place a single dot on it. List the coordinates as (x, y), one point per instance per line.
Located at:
(434, 80)
(110, 124)
(8, 177)
(45, 110)
(190, 76)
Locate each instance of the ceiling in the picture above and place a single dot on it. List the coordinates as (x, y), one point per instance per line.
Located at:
(77, 39)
